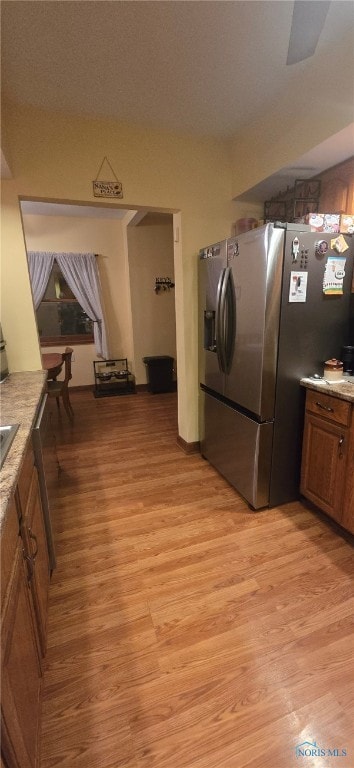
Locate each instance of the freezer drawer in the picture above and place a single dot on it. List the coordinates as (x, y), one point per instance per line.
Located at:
(239, 448)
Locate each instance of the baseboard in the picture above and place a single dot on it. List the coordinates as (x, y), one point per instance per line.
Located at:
(81, 387)
(139, 387)
(188, 447)
(146, 388)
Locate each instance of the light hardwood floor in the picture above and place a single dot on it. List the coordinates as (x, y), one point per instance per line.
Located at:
(186, 631)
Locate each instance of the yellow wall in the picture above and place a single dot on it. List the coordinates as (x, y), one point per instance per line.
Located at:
(17, 311)
(106, 238)
(150, 250)
(127, 275)
(56, 158)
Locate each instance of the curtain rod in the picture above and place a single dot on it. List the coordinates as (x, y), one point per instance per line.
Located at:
(54, 253)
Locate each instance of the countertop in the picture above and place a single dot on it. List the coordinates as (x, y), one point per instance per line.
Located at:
(343, 390)
(20, 399)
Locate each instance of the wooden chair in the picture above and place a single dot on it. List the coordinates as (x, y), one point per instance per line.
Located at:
(60, 388)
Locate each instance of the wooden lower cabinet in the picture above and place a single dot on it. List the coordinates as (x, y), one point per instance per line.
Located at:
(327, 472)
(24, 596)
(35, 546)
(21, 674)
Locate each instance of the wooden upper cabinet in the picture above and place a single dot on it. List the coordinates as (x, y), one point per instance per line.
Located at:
(334, 196)
(337, 188)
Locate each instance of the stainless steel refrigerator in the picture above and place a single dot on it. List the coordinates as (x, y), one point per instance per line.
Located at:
(269, 315)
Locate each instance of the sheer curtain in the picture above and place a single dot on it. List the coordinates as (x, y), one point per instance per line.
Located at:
(40, 266)
(81, 274)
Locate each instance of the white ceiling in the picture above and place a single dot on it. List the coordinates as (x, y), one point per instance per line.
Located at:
(200, 66)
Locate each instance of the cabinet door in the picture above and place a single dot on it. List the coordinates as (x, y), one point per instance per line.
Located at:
(35, 544)
(20, 678)
(348, 501)
(323, 464)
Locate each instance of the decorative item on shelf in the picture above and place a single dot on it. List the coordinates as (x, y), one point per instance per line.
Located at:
(295, 204)
(274, 210)
(244, 225)
(307, 189)
(107, 188)
(163, 283)
(303, 209)
(306, 199)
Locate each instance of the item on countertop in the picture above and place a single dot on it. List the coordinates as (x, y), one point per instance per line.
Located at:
(4, 372)
(348, 359)
(333, 370)
(317, 377)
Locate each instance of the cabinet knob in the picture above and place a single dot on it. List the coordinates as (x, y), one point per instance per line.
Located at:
(341, 441)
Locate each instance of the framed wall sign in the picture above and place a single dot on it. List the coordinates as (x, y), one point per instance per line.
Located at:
(107, 188)
(307, 189)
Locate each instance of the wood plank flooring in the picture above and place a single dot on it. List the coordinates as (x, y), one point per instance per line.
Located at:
(186, 631)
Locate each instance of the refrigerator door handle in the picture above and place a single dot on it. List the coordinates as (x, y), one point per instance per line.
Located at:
(219, 336)
(224, 319)
(230, 320)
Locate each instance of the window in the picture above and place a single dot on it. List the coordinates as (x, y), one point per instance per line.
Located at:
(60, 318)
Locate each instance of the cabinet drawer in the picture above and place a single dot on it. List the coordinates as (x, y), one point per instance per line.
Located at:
(329, 407)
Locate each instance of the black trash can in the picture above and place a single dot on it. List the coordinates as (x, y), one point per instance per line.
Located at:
(159, 373)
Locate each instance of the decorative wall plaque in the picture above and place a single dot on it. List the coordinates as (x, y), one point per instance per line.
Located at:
(107, 188)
